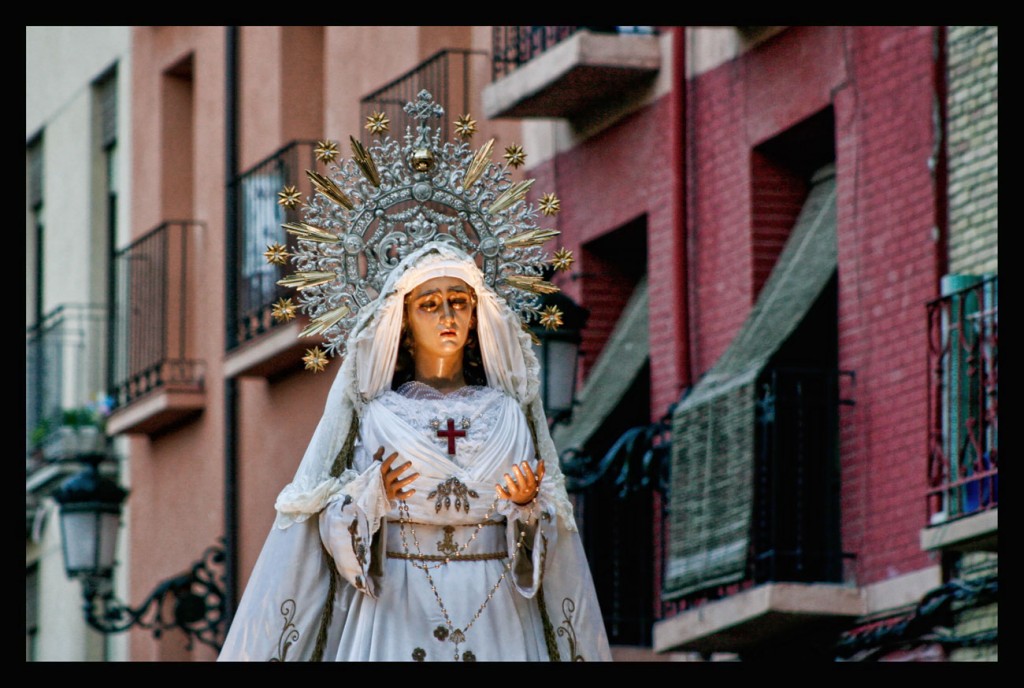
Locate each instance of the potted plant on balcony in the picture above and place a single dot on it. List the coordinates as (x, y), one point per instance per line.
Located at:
(80, 433)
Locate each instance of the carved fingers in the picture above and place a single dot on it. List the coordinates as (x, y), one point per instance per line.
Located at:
(522, 487)
(393, 479)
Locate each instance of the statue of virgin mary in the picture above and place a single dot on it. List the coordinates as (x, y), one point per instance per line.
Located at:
(428, 519)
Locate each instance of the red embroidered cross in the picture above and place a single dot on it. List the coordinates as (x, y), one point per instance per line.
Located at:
(451, 433)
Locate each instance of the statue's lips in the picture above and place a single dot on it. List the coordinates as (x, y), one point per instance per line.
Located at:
(447, 333)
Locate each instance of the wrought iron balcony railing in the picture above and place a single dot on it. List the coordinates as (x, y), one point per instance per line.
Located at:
(796, 478)
(260, 217)
(447, 75)
(963, 401)
(514, 46)
(64, 365)
(149, 315)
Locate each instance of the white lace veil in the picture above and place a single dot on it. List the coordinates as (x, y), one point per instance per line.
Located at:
(509, 363)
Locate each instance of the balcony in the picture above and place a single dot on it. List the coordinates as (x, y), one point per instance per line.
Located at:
(259, 345)
(448, 75)
(64, 363)
(154, 385)
(793, 590)
(963, 419)
(563, 71)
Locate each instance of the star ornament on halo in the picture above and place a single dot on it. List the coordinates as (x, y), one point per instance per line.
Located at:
(289, 197)
(465, 126)
(551, 319)
(276, 254)
(284, 309)
(562, 260)
(515, 155)
(377, 123)
(326, 151)
(315, 359)
(549, 204)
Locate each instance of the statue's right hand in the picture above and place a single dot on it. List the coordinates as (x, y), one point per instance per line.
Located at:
(393, 481)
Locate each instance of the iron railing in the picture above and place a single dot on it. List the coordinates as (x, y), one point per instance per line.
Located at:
(447, 75)
(149, 313)
(618, 502)
(64, 355)
(796, 478)
(514, 46)
(260, 217)
(963, 402)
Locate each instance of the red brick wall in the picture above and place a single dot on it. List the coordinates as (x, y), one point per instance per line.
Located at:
(887, 272)
(880, 78)
(777, 195)
(617, 176)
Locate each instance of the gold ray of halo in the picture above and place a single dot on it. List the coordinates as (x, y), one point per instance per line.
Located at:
(365, 162)
(478, 164)
(510, 195)
(329, 189)
(310, 233)
(531, 283)
(323, 322)
(533, 237)
(305, 280)
(533, 335)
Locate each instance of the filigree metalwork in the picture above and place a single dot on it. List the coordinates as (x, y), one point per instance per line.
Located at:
(394, 197)
(199, 604)
(452, 487)
(447, 544)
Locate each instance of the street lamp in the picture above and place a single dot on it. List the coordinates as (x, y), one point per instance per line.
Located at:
(90, 515)
(557, 351)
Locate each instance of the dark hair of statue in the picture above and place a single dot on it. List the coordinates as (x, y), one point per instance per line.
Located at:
(405, 365)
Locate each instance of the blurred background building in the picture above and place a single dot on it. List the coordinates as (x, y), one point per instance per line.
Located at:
(783, 435)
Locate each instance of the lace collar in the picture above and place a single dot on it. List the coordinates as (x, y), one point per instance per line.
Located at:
(414, 389)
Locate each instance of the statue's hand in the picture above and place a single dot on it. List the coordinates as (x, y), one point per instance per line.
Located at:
(393, 482)
(522, 488)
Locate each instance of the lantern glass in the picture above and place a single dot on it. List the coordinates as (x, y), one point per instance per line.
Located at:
(90, 538)
(557, 373)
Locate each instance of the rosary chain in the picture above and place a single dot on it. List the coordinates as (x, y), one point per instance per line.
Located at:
(403, 518)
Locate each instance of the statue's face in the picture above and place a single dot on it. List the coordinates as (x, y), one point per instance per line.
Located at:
(440, 313)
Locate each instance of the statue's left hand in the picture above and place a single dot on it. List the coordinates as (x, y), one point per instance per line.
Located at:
(522, 488)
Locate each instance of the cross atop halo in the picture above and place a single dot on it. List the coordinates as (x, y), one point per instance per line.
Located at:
(424, 107)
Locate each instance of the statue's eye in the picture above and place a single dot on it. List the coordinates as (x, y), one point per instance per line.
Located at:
(459, 302)
(429, 305)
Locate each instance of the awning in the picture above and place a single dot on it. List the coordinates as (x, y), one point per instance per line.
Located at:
(711, 497)
(621, 359)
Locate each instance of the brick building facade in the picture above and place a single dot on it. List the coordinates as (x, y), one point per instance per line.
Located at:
(707, 176)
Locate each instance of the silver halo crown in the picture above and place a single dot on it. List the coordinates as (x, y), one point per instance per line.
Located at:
(390, 199)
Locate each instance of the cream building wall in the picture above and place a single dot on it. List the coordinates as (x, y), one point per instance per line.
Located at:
(62, 64)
